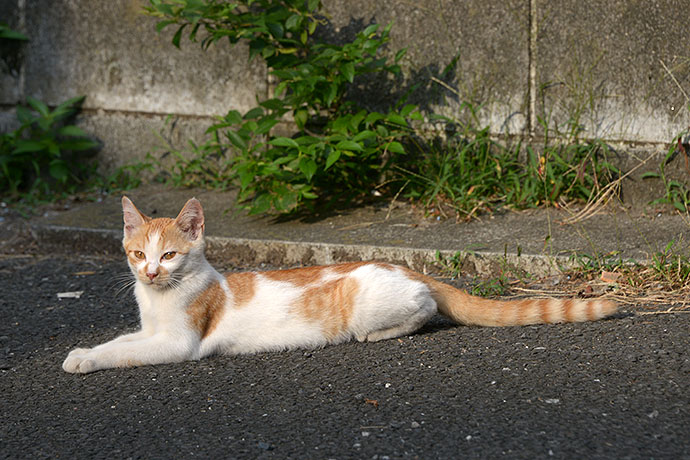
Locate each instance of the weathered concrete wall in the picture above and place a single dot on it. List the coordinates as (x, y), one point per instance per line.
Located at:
(619, 69)
(132, 76)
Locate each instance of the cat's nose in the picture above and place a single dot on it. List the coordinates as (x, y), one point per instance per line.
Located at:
(151, 275)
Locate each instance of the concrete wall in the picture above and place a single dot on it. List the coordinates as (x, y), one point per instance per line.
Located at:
(618, 68)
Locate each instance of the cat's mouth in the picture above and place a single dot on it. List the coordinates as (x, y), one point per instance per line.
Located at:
(158, 283)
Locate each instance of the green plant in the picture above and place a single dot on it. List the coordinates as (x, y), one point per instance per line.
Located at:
(125, 177)
(672, 267)
(45, 154)
(9, 34)
(484, 287)
(596, 263)
(677, 193)
(452, 265)
(490, 287)
(470, 172)
(339, 151)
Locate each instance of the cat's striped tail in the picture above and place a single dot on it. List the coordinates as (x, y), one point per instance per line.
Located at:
(467, 309)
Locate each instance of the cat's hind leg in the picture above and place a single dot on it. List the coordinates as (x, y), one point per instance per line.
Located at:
(426, 310)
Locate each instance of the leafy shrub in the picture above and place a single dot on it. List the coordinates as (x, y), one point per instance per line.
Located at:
(45, 154)
(339, 151)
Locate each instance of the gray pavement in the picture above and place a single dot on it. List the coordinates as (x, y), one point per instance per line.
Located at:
(616, 388)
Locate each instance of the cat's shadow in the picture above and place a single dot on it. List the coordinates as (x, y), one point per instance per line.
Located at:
(436, 324)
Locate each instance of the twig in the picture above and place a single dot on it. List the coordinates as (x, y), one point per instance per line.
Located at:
(593, 206)
(390, 206)
(687, 99)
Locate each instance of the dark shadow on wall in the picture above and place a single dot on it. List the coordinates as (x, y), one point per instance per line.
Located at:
(383, 91)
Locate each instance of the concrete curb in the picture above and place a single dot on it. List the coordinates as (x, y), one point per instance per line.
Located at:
(279, 253)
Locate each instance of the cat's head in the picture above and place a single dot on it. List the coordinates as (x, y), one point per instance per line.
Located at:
(160, 251)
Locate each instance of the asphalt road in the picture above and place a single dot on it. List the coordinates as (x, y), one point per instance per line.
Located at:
(612, 389)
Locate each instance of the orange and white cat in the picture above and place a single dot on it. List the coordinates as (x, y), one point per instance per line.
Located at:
(188, 310)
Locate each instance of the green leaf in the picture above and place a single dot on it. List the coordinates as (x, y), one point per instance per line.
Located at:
(24, 146)
(265, 125)
(370, 30)
(308, 167)
(59, 170)
(233, 117)
(178, 36)
(72, 131)
(24, 115)
(78, 144)
(261, 204)
(276, 29)
(68, 107)
(7, 33)
(293, 22)
(163, 24)
(396, 147)
(273, 104)
(330, 94)
(348, 145)
(332, 158)
(373, 117)
(407, 109)
(39, 106)
(348, 71)
(366, 134)
(301, 116)
(284, 142)
(648, 175)
(357, 119)
(313, 4)
(397, 119)
(236, 140)
(256, 112)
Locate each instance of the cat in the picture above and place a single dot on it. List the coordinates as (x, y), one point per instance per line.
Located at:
(188, 310)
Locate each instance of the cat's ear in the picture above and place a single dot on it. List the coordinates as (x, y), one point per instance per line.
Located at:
(132, 217)
(191, 219)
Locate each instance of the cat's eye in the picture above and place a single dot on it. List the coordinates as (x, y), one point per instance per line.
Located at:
(139, 255)
(168, 255)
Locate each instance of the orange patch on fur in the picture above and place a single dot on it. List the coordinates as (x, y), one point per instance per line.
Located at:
(569, 310)
(330, 304)
(305, 276)
(207, 309)
(591, 315)
(242, 286)
(544, 312)
(159, 226)
(523, 307)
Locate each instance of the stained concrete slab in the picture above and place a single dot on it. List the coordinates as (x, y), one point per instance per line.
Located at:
(618, 71)
(472, 52)
(535, 240)
(111, 52)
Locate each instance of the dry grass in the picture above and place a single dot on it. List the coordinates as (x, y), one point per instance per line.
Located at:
(644, 289)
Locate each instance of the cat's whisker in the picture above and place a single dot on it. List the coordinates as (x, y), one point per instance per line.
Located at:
(122, 282)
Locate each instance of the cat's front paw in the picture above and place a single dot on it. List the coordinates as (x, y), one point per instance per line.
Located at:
(79, 351)
(79, 363)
